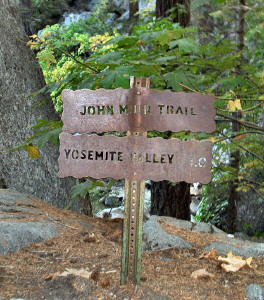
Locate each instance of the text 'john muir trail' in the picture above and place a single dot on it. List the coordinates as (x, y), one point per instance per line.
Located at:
(138, 110)
(118, 156)
(100, 110)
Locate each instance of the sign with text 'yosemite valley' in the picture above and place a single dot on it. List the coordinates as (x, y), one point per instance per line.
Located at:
(135, 157)
(136, 110)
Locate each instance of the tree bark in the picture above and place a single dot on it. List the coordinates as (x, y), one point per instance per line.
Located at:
(181, 14)
(133, 9)
(171, 201)
(235, 155)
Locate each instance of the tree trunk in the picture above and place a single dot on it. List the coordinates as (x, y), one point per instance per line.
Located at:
(235, 156)
(181, 13)
(169, 200)
(133, 9)
(20, 76)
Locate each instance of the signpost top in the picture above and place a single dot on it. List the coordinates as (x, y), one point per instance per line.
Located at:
(137, 110)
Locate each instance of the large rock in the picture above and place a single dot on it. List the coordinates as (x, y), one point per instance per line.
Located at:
(255, 292)
(156, 238)
(237, 247)
(16, 235)
(20, 76)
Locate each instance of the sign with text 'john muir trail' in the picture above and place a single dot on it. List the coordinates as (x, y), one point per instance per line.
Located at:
(135, 157)
(136, 110)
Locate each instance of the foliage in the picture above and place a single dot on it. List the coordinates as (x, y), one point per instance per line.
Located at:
(77, 57)
(96, 189)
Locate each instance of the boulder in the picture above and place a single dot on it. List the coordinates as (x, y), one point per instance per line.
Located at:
(203, 227)
(20, 76)
(16, 235)
(238, 247)
(255, 292)
(156, 238)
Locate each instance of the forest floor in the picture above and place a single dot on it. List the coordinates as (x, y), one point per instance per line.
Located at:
(90, 250)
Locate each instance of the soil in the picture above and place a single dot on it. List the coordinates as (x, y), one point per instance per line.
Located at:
(95, 245)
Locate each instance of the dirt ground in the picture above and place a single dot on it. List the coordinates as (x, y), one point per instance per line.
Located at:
(95, 245)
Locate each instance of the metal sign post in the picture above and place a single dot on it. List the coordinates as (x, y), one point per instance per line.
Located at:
(135, 157)
(134, 209)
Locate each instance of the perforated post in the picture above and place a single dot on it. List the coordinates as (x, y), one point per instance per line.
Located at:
(134, 208)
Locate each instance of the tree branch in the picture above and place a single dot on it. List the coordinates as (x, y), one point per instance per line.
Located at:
(246, 124)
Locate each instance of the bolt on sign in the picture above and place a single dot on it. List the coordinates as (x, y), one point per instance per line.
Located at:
(135, 157)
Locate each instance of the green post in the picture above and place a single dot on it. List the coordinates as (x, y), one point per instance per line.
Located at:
(133, 222)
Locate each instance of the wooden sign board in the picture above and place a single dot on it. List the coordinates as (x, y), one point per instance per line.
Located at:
(137, 110)
(135, 157)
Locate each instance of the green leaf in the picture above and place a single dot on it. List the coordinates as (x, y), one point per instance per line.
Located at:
(148, 36)
(110, 58)
(47, 56)
(82, 189)
(186, 45)
(165, 59)
(124, 41)
(174, 78)
(168, 36)
(118, 77)
(51, 135)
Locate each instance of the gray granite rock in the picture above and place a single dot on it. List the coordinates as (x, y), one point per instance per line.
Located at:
(178, 222)
(9, 199)
(16, 209)
(241, 235)
(15, 216)
(16, 235)
(218, 231)
(255, 292)
(243, 249)
(202, 227)
(21, 76)
(156, 238)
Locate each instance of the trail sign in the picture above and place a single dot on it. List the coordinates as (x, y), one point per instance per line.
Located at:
(136, 110)
(135, 157)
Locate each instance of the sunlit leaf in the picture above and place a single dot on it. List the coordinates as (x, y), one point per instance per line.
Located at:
(47, 56)
(33, 151)
(233, 106)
